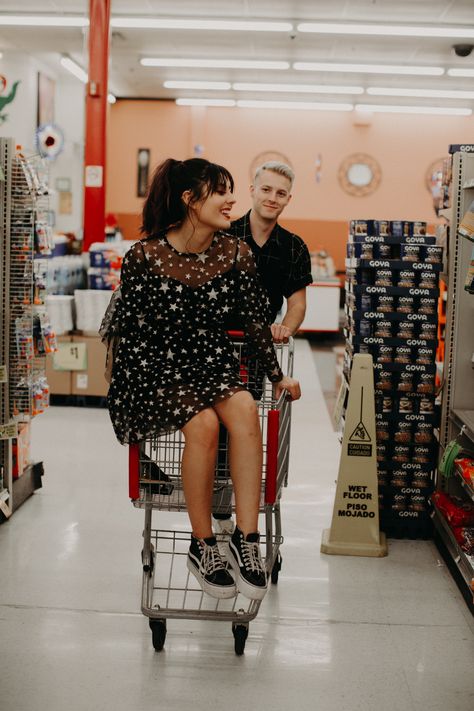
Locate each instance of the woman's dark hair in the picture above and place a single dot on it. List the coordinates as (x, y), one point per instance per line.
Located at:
(164, 205)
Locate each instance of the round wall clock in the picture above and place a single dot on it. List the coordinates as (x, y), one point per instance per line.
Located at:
(359, 174)
(264, 157)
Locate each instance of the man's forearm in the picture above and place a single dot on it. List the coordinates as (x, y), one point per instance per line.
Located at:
(294, 317)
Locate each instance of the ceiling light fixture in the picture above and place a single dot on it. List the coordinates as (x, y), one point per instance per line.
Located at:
(211, 85)
(44, 21)
(343, 28)
(74, 69)
(435, 110)
(302, 105)
(461, 72)
(367, 68)
(155, 23)
(421, 93)
(298, 88)
(217, 63)
(205, 102)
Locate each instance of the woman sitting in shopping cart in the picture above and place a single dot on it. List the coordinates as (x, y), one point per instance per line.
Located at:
(175, 367)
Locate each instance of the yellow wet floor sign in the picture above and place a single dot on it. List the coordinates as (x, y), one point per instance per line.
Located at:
(355, 520)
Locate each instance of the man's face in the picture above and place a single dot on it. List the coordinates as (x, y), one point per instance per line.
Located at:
(270, 194)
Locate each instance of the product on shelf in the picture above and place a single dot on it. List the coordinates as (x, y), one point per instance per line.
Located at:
(465, 538)
(456, 511)
(465, 467)
(392, 309)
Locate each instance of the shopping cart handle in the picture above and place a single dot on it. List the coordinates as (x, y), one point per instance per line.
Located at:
(236, 334)
(134, 471)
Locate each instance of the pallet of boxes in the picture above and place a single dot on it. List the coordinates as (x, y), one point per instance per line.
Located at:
(392, 290)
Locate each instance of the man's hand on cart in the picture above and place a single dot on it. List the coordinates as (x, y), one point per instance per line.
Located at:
(291, 386)
(280, 333)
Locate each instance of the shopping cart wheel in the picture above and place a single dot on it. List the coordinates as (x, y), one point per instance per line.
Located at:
(158, 633)
(240, 632)
(276, 569)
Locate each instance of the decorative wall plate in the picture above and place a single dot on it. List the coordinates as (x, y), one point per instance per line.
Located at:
(264, 157)
(359, 174)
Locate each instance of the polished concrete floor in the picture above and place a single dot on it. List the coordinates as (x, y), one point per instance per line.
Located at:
(335, 634)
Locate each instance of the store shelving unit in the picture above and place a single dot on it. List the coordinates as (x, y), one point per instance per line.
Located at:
(22, 364)
(457, 414)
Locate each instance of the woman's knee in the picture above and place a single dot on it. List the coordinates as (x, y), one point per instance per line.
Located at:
(243, 411)
(203, 428)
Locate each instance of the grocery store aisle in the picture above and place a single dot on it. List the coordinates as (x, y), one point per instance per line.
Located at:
(337, 633)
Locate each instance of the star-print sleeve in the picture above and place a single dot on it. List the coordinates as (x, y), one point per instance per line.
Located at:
(255, 312)
(133, 283)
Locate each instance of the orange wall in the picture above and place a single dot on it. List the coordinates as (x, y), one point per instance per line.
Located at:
(404, 146)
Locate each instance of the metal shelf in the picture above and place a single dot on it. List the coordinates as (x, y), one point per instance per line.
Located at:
(467, 487)
(471, 239)
(4, 495)
(464, 419)
(464, 562)
(445, 212)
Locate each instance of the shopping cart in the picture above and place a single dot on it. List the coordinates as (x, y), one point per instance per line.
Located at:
(168, 590)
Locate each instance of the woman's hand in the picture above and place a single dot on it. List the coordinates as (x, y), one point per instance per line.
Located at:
(291, 385)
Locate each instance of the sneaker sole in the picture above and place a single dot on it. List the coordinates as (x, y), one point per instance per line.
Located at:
(220, 592)
(251, 592)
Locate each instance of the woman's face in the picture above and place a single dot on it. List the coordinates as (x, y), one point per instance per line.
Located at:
(214, 210)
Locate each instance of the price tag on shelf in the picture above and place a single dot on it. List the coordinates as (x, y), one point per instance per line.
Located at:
(9, 430)
(3, 374)
(70, 356)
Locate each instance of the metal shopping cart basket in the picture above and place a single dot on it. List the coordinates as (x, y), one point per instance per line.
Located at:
(168, 589)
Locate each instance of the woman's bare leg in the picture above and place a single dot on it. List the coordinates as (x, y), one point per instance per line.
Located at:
(239, 415)
(197, 469)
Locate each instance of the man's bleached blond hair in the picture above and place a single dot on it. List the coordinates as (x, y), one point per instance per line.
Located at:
(276, 167)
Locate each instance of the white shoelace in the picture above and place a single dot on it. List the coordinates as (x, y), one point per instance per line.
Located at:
(211, 560)
(251, 556)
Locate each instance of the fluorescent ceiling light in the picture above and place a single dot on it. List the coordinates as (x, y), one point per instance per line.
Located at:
(212, 63)
(386, 30)
(386, 108)
(212, 85)
(111, 98)
(298, 88)
(74, 68)
(154, 23)
(44, 20)
(461, 72)
(302, 105)
(421, 93)
(367, 68)
(205, 102)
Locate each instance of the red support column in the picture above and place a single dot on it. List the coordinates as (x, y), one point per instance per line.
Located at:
(96, 116)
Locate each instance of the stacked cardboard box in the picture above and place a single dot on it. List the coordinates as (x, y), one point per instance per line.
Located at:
(392, 291)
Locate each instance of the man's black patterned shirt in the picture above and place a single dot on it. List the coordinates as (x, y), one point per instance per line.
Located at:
(283, 263)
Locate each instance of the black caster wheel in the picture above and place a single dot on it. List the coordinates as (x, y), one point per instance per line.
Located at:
(276, 569)
(158, 632)
(240, 632)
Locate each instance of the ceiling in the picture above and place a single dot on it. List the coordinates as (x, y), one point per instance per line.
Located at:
(129, 79)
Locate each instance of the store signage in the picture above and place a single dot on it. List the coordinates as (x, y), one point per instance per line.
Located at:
(355, 520)
(461, 148)
(94, 177)
(9, 430)
(70, 356)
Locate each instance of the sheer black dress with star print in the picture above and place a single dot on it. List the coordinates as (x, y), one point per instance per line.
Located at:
(174, 357)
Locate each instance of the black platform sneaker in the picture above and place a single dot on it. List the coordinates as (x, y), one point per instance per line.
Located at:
(206, 564)
(246, 561)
